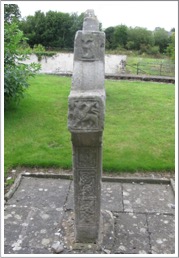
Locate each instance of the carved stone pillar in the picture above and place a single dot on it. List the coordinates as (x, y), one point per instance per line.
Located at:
(86, 122)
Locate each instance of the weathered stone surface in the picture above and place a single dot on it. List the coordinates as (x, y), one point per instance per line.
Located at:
(26, 250)
(15, 219)
(34, 214)
(111, 196)
(131, 234)
(29, 230)
(136, 198)
(90, 22)
(85, 122)
(89, 47)
(162, 233)
(31, 227)
(86, 113)
(48, 188)
(57, 247)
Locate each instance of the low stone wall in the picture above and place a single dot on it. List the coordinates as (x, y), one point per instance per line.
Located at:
(63, 63)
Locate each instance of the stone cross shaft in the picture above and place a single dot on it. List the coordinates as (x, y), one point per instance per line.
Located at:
(86, 108)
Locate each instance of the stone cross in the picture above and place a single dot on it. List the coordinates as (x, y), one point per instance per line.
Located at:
(85, 122)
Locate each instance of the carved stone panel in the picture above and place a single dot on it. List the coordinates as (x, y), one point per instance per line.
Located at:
(89, 46)
(84, 114)
(87, 211)
(86, 196)
(87, 181)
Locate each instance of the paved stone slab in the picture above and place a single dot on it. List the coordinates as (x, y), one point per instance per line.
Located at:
(31, 227)
(131, 234)
(34, 214)
(15, 220)
(42, 230)
(26, 250)
(162, 233)
(33, 230)
(148, 198)
(70, 199)
(43, 192)
(111, 196)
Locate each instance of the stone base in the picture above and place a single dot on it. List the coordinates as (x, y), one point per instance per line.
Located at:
(106, 234)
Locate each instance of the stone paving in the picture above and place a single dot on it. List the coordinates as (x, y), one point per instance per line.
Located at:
(138, 218)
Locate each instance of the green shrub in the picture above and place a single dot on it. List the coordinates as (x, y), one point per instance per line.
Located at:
(16, 73)
(38, 48)
(171, 47)
(40, 52)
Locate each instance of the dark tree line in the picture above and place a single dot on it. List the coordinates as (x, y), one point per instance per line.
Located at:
(138, 38)
(53, 29)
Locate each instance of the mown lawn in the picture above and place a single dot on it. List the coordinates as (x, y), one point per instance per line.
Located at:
(138, 134)
(150, 66)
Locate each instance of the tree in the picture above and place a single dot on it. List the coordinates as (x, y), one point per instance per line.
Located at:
(171, 47)
(120, 35)
(27, 25)
(52, 30)
(77, 24)
(57, 27)
(161, 38)
(139, 38)
(34, 28)
(109, 37)
(16, 73)
(11, 13)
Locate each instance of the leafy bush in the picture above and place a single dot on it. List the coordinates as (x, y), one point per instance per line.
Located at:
(38, 48)
(171, 47)
(16, 73)
(154, 51)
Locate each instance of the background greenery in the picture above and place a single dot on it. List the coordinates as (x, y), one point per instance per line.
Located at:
(149, 66)
(138, 134)
(16, 73)
(56, 31)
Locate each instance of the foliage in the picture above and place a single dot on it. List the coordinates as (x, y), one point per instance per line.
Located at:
(16, 73)
(150, 66)
(154, 50)
(161, 38)
(38, 48)
(11, 13)
(53, 29)
(138, 39)
(138, 133)
(110, 37)
(120, 36)
(171, 47)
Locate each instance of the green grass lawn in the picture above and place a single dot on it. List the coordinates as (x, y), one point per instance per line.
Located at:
(138, 134)
(150, 66)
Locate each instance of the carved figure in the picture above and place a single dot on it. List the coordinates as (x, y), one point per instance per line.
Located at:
(88, 47)
(84, 114)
